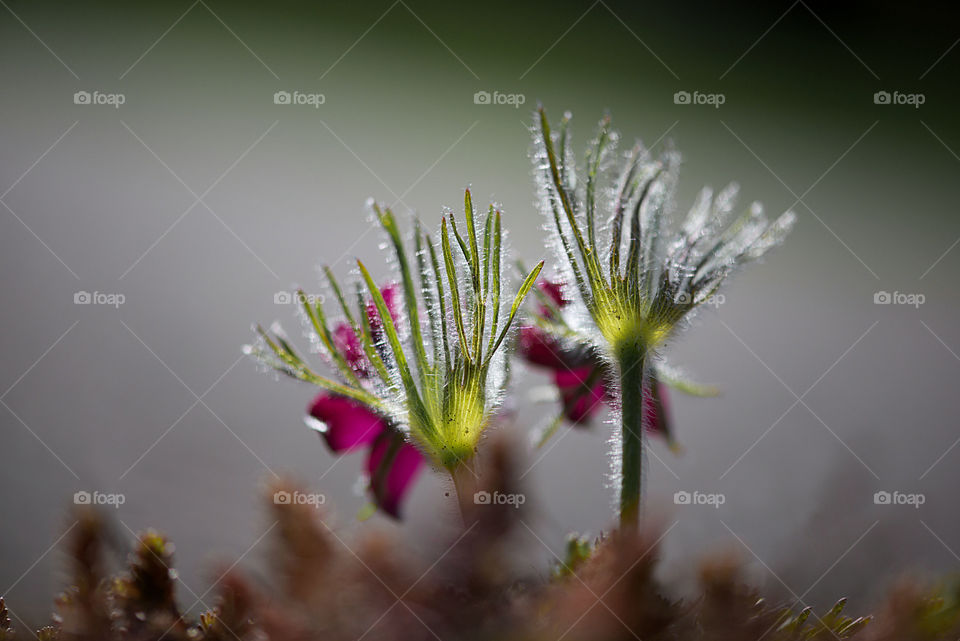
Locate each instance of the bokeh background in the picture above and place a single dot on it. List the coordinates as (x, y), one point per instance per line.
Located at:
(199, 198)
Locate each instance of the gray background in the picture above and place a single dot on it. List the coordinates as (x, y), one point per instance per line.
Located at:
(103, 199)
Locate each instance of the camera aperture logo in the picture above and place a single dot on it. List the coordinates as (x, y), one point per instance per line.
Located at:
(114, 300)
(99, 98)
(899, 498)
(84, 497)
(498, 498)
(899, 298)
(299, 98)
(290, 298)
(899, 98)
(283, 497)
(699, 98)
(499, 98)
(713, 300)
(696, 497)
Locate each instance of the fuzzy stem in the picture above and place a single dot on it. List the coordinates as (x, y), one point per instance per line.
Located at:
(462, 488)
(632, 365)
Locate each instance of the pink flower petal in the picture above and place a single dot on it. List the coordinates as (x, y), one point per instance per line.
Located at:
(554, 291)
(391, 296)
(656, 413)
(346, 342)
(581, 404)
(344, 423)
(539, 348)
(390, 486)
(579, 401)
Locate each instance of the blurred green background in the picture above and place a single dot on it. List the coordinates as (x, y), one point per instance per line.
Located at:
(198, 199)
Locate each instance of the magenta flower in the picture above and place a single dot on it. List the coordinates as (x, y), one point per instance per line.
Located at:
(416, 364)
(391, 295)
(346, 342)
(581, 398)
(392, 463)
(578, 374)
(348, 425)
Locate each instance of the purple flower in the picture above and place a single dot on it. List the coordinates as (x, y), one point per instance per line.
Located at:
(391, 294)
(392, 463)
(579, 374)
(348, 425)
(582, 397)
(398, 378)
(346, 342)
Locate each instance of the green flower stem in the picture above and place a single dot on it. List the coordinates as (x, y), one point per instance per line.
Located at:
(632, 366)
(461, 486)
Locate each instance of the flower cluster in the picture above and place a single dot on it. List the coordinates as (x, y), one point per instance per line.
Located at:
(407, 385)
(642, 278)
(580, 375)
(347, 425)
(420, 369)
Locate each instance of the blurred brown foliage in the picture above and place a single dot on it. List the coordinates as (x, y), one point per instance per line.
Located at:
(375, 590)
